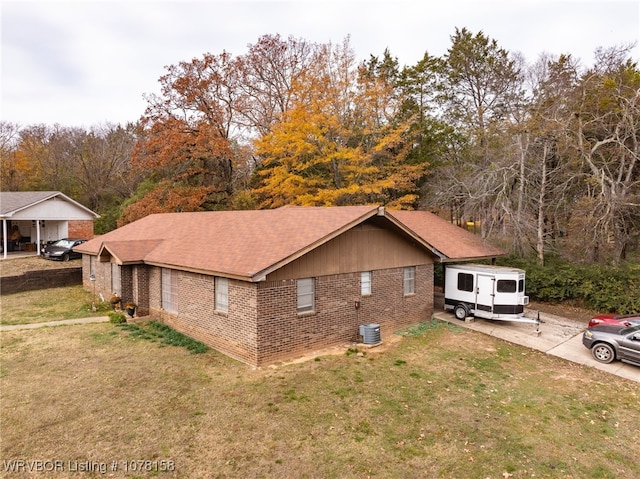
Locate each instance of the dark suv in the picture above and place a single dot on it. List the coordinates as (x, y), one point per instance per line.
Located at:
(609, 342)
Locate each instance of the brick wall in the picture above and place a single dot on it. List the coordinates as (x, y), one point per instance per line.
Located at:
(140, 289)
(80, 229)
(41, 279)
(262, 325)
(232, 333)
(134, 283)
(102, 283)
(282, 333)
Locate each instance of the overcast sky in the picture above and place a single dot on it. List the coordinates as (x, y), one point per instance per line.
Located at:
(86, 63)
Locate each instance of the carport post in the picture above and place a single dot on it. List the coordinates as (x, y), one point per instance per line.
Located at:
(4, 238)
(38, 238)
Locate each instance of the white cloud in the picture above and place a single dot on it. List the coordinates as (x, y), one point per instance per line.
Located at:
(87, 62)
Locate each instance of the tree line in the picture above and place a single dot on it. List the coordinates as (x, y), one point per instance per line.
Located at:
(543, 158)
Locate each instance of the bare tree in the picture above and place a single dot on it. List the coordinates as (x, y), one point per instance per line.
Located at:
(607, 135)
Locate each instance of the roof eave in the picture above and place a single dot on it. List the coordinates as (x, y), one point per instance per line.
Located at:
(205, 272)
(472, 258)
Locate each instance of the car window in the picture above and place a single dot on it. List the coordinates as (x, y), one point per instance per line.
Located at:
(632, 329)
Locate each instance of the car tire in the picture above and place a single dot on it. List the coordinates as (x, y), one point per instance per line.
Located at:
(65, 257)
(461, 312)
(603, 353)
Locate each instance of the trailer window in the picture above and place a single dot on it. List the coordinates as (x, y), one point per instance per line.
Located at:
(465, 282)
(506, 286)
(521, 286)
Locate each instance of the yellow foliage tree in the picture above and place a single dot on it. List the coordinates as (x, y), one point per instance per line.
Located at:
(339, 144)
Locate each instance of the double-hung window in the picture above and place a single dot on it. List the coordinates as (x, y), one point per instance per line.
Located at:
(365, 283)
(169, 290)
(409, 280)
(306, 292)
(222, 294)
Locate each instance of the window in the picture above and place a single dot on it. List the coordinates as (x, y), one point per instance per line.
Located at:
(506, 286)
(170, 290)
(222, 294)
(465, 282)
(92, 265)
(116, 279)
(409, 280)
(305, 289)
(365, 283)
(521, 286)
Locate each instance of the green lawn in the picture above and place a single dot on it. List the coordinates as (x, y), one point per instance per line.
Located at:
(441, 403)
(49, 305)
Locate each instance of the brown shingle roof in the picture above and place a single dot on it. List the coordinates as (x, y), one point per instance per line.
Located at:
(250, 244)
(246, 244)
(451, 241)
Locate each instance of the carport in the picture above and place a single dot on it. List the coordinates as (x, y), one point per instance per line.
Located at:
(33, 218)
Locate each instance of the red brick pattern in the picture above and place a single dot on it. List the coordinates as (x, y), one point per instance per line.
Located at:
(262, 325)
(283, 333)
(80, 229)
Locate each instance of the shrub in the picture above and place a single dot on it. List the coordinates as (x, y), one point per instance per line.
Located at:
(598, 287)
(116, 317)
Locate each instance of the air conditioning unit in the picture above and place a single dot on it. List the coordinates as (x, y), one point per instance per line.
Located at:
(370, 333)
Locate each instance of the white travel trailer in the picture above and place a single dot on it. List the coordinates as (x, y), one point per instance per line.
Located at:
(484, 291)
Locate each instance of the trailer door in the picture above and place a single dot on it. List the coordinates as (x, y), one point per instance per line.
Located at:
(485, 293)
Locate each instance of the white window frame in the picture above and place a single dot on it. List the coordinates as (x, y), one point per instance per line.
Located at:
(409, 280)
(169, 290)
(305, 291)
(365, 283)
(221, 286)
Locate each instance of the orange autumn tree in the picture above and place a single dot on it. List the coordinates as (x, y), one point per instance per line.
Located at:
(187, 139)
(340, 142)
(164, 197)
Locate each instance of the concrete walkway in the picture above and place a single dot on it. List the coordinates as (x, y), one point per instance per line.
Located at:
(96, 319)
(558, 336)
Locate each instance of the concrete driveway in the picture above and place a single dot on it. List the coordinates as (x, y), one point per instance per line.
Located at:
(557, 336)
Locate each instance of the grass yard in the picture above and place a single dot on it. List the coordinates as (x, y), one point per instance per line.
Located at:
(441, 403)
(53, 304)
(13, 266)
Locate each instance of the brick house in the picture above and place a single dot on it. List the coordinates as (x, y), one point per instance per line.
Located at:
(40, 217)
(267, 285)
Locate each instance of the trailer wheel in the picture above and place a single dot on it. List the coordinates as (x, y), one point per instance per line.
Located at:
(461, 312)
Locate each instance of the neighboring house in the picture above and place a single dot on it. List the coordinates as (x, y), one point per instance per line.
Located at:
(37, 217)
(268, 285)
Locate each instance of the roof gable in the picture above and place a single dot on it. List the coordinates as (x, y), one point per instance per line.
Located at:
(18, 204)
